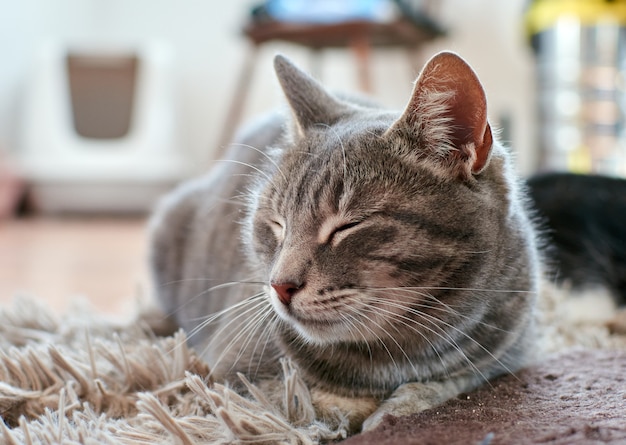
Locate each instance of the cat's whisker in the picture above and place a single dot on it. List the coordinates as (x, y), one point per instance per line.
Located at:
(471, 289)
(473, 340)
(439, 306)
(456, 251)
(212, 318)
(233, 200)
(405, 321)
(382, 342)
(217, 286)
(387, 333)
(264, 154)
(242, 196)
(440, 333)
(252, 198)
(475, 252)
(446, 288)
(351, 322)
(268, 334)
(250, 326)
(251, 166)
(434, 321)
(250, 305)
(256, 322)
(256, 301)
(309, 154)
(189, 301)
(376, 135)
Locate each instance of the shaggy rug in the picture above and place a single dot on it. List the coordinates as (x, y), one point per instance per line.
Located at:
(83, 379)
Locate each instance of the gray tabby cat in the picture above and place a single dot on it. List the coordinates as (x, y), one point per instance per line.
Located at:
(388, 255)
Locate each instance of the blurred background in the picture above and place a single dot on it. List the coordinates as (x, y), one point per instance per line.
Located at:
(107, 104)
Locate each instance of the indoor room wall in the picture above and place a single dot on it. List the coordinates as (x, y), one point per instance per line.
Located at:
(209, 51)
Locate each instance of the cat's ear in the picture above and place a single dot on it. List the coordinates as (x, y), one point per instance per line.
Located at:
(310, 102)
(447, 115)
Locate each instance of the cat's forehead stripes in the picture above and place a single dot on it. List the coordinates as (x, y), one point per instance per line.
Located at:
(314, 186)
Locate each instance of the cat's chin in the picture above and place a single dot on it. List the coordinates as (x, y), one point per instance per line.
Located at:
(319, 332)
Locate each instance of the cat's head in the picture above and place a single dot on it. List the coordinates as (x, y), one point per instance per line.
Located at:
(367, 212)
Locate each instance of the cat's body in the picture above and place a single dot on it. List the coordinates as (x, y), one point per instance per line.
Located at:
(390, 253)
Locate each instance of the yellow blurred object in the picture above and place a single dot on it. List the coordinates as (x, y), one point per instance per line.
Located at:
(579, 160)
(542, 14)
(580, 48)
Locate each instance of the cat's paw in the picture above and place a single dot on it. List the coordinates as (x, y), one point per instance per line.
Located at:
(407, 399)
(330, 406)
(372, 422)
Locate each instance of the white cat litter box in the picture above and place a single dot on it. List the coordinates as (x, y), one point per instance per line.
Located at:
(98, 129)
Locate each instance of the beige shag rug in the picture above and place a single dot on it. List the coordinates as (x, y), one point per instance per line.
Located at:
(83, 379)
(80, 379)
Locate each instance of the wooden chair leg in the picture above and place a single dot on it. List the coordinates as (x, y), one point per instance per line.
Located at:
(235, 111)
(360, 45)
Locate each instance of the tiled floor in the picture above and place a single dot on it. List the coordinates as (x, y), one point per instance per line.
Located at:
(58, 259)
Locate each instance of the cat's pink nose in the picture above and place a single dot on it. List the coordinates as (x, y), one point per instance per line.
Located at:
(286, 291)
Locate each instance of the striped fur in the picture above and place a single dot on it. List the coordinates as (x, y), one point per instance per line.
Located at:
(411, 256)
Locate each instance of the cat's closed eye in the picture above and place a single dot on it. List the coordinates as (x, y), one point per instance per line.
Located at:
(335, 228)
(278, 228)
(341, 231)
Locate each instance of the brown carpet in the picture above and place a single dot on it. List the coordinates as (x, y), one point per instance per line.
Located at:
(578, 397)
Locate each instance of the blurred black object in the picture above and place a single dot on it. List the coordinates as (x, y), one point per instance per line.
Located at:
(585, 221)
